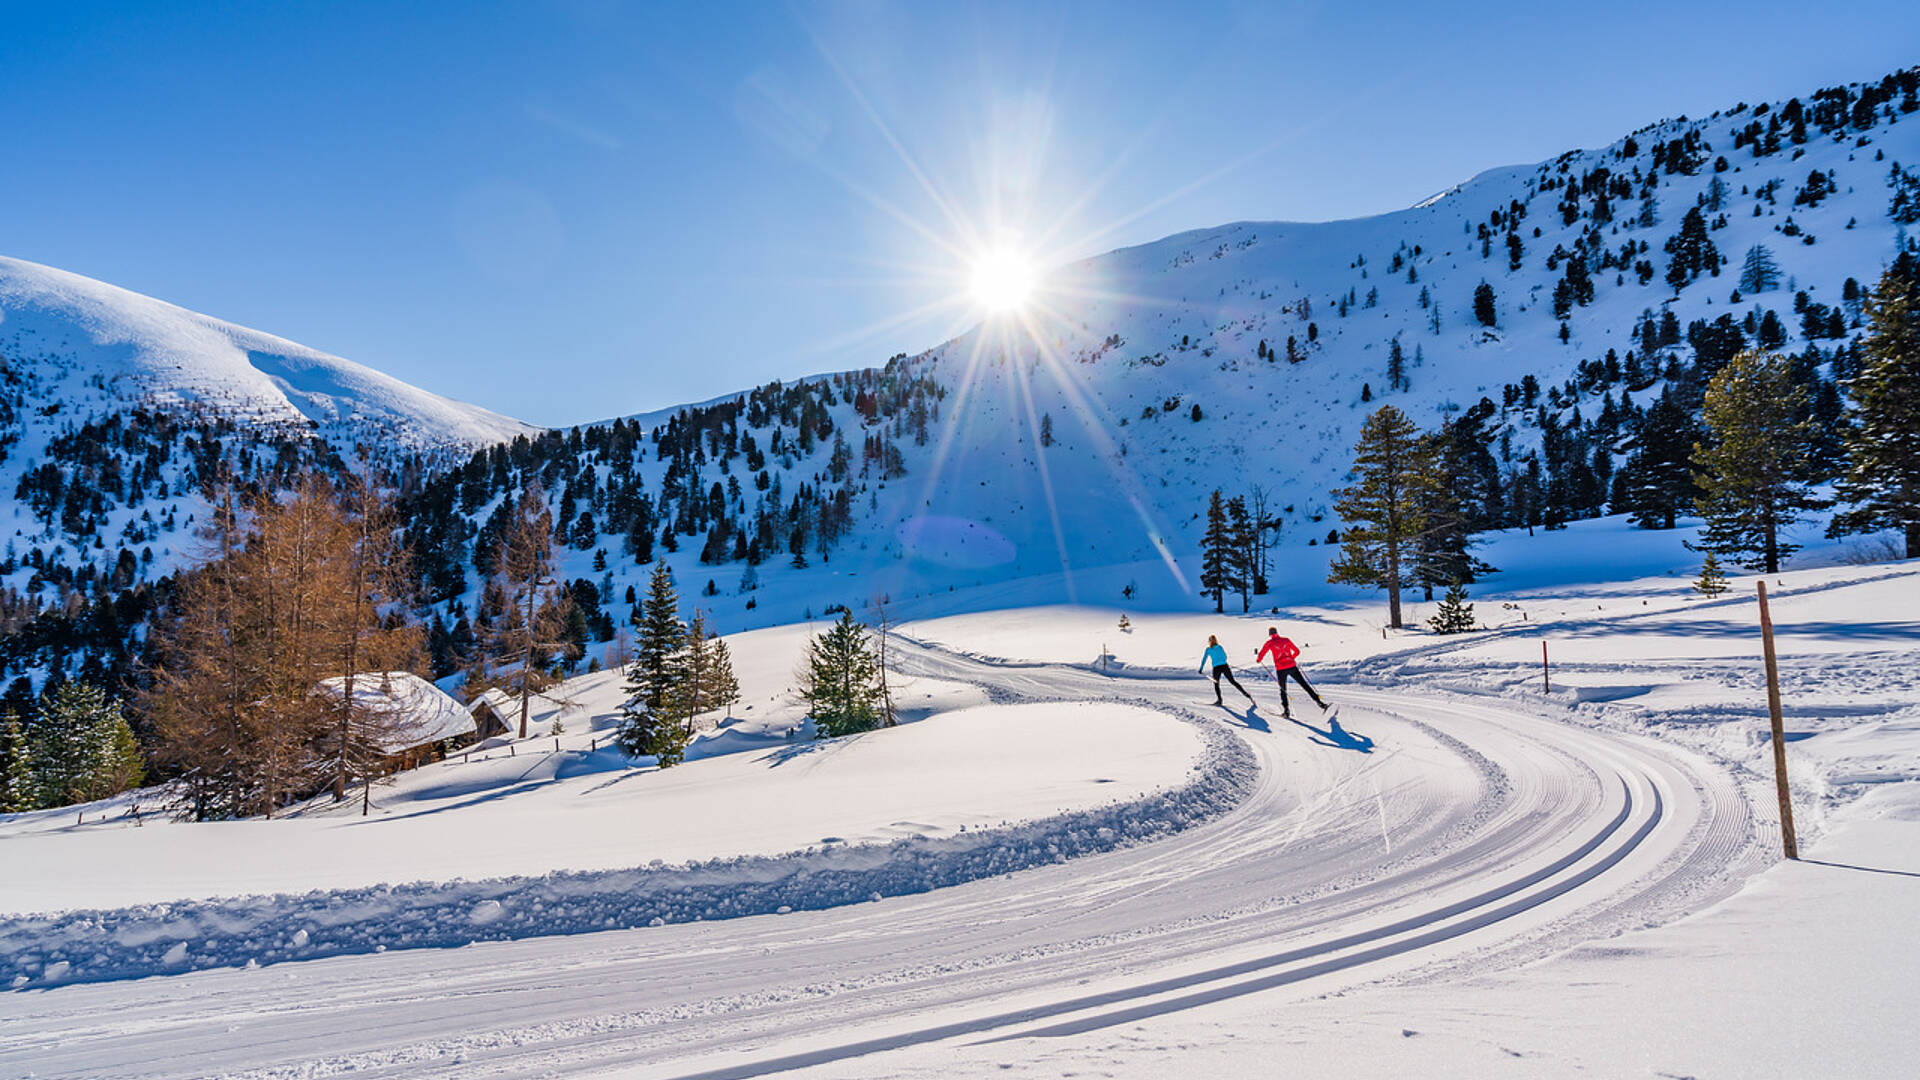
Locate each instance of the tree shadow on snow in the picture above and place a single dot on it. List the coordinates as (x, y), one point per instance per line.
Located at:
(1336, 736)
(1863, 630)
(802, 748)
(1868, 869)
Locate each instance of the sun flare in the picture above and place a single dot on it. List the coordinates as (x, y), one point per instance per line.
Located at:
(1002, 280)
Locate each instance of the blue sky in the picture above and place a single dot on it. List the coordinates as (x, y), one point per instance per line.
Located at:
(576, 209)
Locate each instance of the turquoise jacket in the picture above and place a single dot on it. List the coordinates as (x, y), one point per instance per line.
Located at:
(1212, 658)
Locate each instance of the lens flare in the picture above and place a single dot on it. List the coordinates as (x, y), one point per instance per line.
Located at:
(1003, 280)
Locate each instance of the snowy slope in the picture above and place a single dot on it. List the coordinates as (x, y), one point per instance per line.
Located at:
(1188, 314)
(93, 340)
(1118, 350)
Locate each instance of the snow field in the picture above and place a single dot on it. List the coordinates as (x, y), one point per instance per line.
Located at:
(1643, 654)
(1211, 769)
(1432, 828)
(1458, 825)
(542, 812)
(563, 834)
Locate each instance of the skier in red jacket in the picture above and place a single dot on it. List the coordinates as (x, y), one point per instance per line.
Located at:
(1284, 651)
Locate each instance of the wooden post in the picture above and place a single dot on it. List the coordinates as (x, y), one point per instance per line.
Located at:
(1787, 841)
(1546, 680)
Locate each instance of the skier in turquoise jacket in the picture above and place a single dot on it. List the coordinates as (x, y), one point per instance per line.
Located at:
(1216, 658)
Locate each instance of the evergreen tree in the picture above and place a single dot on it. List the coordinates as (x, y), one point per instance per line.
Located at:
(1216, 552)
(1712, 581)
(79, 747)
(647, 725)
(1691, 251)
(1454, 614)
(694, 665)
(840, 680)
(16, 772)
(1659, 475)
(1882, 482)
(723, 689)
(1240, 545)
(1483, 308)
(1394, 469)
(1455, 505)
(1771, 334)
(1396, 366)
(1755, 466)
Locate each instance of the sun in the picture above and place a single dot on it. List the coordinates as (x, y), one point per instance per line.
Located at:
(1003, 279)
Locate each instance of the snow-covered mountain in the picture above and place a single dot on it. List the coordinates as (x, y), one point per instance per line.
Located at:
(1066, 454)
(86, 342)
(1130, 344)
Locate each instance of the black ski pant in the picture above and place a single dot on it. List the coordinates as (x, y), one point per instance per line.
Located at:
(1280, 676)
(1221, 671)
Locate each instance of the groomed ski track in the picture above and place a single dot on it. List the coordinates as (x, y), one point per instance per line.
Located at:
(1427, 836)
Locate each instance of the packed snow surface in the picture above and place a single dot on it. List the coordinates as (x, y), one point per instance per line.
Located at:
(1459, 871)
(537, 811)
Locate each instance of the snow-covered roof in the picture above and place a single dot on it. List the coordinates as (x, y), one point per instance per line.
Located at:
(420, 712)
(502, 701)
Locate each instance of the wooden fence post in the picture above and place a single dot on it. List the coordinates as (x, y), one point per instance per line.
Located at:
(1546, 679)
(1787, 841)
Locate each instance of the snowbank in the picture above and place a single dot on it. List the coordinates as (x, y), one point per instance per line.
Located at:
(865, 820)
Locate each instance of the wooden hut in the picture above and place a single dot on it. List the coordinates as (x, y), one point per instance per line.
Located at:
(402, 717)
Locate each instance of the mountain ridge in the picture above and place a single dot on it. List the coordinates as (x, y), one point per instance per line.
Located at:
(173, 355)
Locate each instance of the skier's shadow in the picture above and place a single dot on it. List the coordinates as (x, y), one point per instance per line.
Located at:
(1253, 720)
(1336, 736)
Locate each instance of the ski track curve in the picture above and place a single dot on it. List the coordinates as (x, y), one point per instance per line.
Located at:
(1468, 834)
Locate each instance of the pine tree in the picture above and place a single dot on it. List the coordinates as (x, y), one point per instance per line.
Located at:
(723, 689)
(1455, 504)
(1882, 482)
(1454, 614)
(1483, 308)
(840, 680)
(1394, 468)
(1240, 553)
(16, 772)
(1711, 582)
(647, 726)
(1755, 468)
(1216, 552)
(1692, 251)
(693, 667)
(1396, 366)
(80, 747)
(1659, 475)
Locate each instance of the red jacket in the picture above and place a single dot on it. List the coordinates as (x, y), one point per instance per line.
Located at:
(1283, 650)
